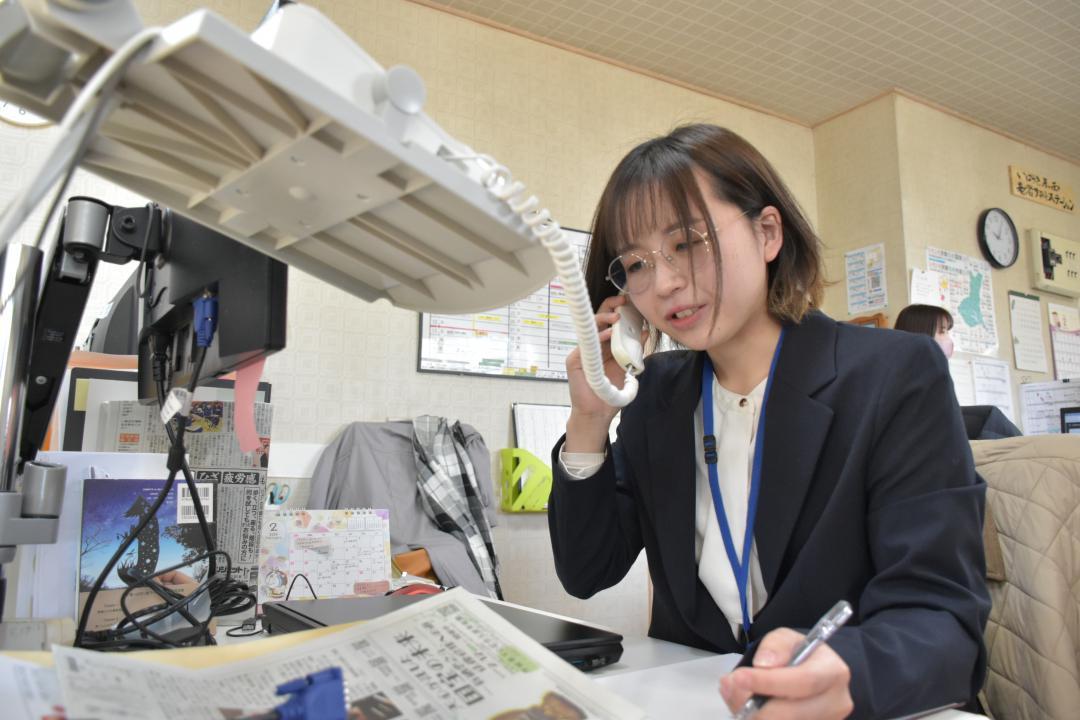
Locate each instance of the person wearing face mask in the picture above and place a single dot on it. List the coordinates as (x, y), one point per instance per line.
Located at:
(777, 463)
(937, 322)
(982, 422)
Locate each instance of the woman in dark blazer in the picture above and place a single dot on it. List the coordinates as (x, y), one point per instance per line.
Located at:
(864, 483)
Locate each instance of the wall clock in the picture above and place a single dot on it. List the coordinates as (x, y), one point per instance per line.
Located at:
(998, 239)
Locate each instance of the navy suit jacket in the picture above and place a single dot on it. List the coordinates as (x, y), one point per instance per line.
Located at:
(868, 494)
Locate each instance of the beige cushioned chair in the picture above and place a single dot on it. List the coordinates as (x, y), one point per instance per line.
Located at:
(1033, 637)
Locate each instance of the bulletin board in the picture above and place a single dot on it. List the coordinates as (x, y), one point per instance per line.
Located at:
(527, 339)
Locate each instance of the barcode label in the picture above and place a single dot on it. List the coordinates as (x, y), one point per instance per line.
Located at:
(185, 505)
(204, 489)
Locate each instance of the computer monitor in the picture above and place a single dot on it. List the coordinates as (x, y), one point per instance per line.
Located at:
(117, 332)
(1070, 420)
(251, 292)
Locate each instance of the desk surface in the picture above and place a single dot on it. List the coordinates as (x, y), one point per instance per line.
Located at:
(657, 675)
(646, 653)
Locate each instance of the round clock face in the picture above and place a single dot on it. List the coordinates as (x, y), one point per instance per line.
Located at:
(998, 238)
(20, 117)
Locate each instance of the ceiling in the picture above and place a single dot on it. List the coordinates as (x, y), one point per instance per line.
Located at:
(1011, 65)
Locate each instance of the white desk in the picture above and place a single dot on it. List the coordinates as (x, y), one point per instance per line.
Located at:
(660, 677)
(646, 653)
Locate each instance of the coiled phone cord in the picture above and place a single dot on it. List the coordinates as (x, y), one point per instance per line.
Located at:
(501, 184)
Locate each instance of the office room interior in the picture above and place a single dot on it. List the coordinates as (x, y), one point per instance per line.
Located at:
(896, 125)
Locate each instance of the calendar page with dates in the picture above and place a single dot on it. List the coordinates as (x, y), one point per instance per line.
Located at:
(324, 554)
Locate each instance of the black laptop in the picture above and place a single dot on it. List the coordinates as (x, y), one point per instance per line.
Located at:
(584, 646)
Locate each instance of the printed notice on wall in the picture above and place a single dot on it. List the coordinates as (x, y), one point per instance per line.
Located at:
(993, 385)
(928, 288)
(1065, 340)
(962, 380)
(529, 338)
(1025, 317)
(865, 269)
(983, 381)
(1042, 404)
(970, 299)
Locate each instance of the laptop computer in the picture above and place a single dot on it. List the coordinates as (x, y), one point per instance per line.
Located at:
(586, 647)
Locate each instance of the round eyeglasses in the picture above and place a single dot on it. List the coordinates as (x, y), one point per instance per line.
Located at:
(633, 271)
(685, 250)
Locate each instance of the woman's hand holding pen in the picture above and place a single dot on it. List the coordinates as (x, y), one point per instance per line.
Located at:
(818, 688)
(590, 417)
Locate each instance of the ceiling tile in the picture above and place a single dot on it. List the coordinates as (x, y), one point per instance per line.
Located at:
(1005, 64)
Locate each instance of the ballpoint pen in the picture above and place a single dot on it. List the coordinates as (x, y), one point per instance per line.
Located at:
(822, 631)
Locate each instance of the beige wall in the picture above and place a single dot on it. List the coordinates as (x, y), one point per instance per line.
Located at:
(950, 171)
(858, 189)
(901, 172)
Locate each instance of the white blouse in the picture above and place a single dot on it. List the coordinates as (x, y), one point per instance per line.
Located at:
(735, 418)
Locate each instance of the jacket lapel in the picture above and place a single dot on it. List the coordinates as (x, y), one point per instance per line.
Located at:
(670, 440)
(796, 426)
(673, 467)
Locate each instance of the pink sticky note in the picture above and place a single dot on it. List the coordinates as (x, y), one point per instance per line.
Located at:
(247, 382)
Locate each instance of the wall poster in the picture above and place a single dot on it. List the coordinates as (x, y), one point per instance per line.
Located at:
(970, 299)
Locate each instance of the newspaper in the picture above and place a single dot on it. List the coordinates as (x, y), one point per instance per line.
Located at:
(446, 657)
(215, 457)
(29, 691)
(130, 426)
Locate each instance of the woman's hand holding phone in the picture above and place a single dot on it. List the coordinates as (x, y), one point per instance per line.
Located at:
(590, 417)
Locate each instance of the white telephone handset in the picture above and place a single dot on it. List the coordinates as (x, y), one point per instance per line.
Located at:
(626, 339)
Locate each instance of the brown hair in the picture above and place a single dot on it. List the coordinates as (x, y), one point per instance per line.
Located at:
(660, 173)
(925, 319)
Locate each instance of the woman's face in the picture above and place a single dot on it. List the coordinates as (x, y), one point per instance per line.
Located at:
(943, 337)
(690, 306)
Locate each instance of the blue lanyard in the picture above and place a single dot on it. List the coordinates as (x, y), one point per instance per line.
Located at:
(741, 567)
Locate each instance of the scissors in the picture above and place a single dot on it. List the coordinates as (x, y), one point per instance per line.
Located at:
(278, 494)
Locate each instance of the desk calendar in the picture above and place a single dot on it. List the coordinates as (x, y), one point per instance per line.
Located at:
(324, 553)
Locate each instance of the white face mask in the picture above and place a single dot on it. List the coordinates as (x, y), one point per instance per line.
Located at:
(944, 339)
